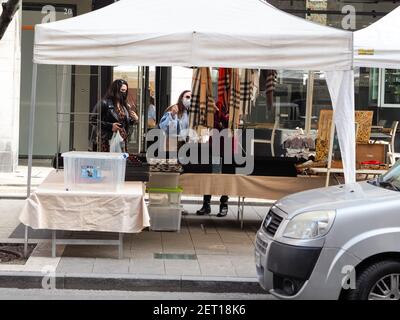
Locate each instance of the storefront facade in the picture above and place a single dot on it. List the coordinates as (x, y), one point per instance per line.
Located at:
(376, 89)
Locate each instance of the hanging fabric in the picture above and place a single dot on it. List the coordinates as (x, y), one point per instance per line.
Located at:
(247, 89)
(268, 80)
(272, 80)
(234, 100)
(202, 106)
(256, 83)
(224, 87)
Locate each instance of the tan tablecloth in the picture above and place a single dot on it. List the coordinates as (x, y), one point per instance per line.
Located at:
(53, 208)
(261, 187)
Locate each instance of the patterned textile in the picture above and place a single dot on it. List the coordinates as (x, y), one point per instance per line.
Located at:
(234, 100)
(121, 111)
(247, 85)
(224, 88)
(268, 80)
(272, 80)
(256, 83)
(202, 106)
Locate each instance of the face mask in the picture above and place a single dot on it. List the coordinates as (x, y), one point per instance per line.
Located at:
(124, 95)
(186, 103)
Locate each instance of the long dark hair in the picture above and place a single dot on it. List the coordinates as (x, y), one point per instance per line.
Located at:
(114, 92)
(180, 105)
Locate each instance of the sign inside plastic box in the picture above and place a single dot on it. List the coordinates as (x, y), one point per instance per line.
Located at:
(89, 171)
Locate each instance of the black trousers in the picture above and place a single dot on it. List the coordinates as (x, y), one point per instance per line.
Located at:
(207, 199)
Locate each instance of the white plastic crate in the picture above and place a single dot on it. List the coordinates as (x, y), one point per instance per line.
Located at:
(165, 218)
(165, 199)
(94, 171)
(163, 180)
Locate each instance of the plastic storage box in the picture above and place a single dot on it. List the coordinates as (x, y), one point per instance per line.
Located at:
(165, 197)
(165, 218)
(163, 180)
(94, 171)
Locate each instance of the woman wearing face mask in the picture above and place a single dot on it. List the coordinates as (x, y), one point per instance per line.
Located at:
(176, 118)
(116, 115)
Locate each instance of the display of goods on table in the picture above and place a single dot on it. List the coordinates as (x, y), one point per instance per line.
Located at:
(165, 165)
(137, 168)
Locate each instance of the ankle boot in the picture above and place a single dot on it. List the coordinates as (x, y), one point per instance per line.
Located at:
(205, 209)
(223, 210)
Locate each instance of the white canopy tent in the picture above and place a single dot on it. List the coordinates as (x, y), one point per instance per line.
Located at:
(378, 45)
(207, 33)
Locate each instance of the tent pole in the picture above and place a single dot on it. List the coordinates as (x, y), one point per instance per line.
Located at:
(99, 109)
(30, 144)
(309, 103)
(57, 120)
(330, 153)
(141, 102)
(31, 127)
(61, 112)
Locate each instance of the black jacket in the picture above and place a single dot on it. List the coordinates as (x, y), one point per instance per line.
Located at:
(109, 116)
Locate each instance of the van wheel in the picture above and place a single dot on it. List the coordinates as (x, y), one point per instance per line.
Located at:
(379, 281)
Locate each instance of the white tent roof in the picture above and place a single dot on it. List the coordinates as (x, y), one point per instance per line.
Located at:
(378, 45)
(219, 33)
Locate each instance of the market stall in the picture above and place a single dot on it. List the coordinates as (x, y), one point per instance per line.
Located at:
(265, 38)
(246, 34)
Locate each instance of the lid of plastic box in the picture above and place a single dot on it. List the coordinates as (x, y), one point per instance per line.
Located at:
(165, 190)
(95, 155)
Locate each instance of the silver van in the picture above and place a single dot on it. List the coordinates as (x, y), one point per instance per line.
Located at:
(341, 242)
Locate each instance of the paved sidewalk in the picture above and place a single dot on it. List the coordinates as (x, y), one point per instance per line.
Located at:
(209, 253)
(13, 185)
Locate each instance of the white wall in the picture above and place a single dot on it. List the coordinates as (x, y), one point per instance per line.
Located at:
(10, 70)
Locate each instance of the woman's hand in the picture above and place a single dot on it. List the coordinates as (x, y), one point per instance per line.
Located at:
(116, 126)
(135, 117)
(174, 110)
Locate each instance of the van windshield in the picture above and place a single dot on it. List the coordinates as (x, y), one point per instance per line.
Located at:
(390, 179)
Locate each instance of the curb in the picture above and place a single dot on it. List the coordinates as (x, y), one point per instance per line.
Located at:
(103, 282)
